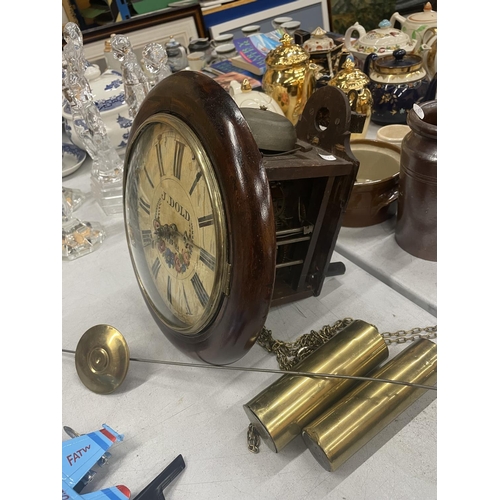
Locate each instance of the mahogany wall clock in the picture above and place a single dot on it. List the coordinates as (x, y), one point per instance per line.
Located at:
(199, 219)
(218, 232)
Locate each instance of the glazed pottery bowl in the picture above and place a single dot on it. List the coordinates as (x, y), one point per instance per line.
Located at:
(109, 97)
(393, 134)
(376, 187)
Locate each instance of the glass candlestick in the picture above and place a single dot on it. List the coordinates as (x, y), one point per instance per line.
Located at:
(107, 166)
(73, 50)
(74, 197)
(155, 60)
(78, 238)
(134, 80)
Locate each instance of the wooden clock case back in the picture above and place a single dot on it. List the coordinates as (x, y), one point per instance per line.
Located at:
(317, 189)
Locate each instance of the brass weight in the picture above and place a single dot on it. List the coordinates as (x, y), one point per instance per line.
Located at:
(281, 411)
(348, 425)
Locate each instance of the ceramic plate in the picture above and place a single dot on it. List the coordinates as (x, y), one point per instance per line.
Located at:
(184, 3)
(72, 158)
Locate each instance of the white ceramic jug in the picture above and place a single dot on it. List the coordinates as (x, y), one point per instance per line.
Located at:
(416, 24)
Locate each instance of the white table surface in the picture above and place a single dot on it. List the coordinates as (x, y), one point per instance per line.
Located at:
(165, 411)
(374, 249)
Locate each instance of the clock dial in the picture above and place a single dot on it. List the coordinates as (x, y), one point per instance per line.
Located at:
(176, 218)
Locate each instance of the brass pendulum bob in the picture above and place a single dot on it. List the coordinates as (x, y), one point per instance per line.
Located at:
(102, 359)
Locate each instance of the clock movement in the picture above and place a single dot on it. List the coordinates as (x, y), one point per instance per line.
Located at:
(218, 231)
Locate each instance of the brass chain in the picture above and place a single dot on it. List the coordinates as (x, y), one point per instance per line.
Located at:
(253, 439)
(288, 354)
(402, 336)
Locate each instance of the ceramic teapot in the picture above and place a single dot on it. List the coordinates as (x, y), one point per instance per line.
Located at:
(109, 97)
(428, 50)
(416, 24)
(397, 81)
(177, 55)
(383, 40)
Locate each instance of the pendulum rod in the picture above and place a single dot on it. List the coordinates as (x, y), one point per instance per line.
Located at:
(275, 371)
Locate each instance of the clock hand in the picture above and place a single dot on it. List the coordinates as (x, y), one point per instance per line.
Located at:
(167, 230)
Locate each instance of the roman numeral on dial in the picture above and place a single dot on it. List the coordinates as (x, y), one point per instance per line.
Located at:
(195, 182)
(160, 159)
(144, 205)
(146, 237)
(148, 177)
(156, 267)
(201, 293)
(169, 289)
(178, 153)
(188, 309)
(207, 259)
(208, 220)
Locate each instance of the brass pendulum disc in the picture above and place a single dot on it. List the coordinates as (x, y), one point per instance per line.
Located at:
(101, 358)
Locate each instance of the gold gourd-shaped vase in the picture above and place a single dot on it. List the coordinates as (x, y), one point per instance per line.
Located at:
(289, 78)
(354, 83)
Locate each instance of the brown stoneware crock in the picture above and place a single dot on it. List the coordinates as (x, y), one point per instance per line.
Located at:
(376, 187)
(416, 226)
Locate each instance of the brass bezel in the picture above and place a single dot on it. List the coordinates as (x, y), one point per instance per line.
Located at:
(222, 268)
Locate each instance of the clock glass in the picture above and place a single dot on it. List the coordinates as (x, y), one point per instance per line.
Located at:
(176, 224)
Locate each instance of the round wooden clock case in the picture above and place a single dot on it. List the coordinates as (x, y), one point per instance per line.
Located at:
(189, 137)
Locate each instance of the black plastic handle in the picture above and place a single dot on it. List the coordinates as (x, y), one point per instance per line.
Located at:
(154, 490)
